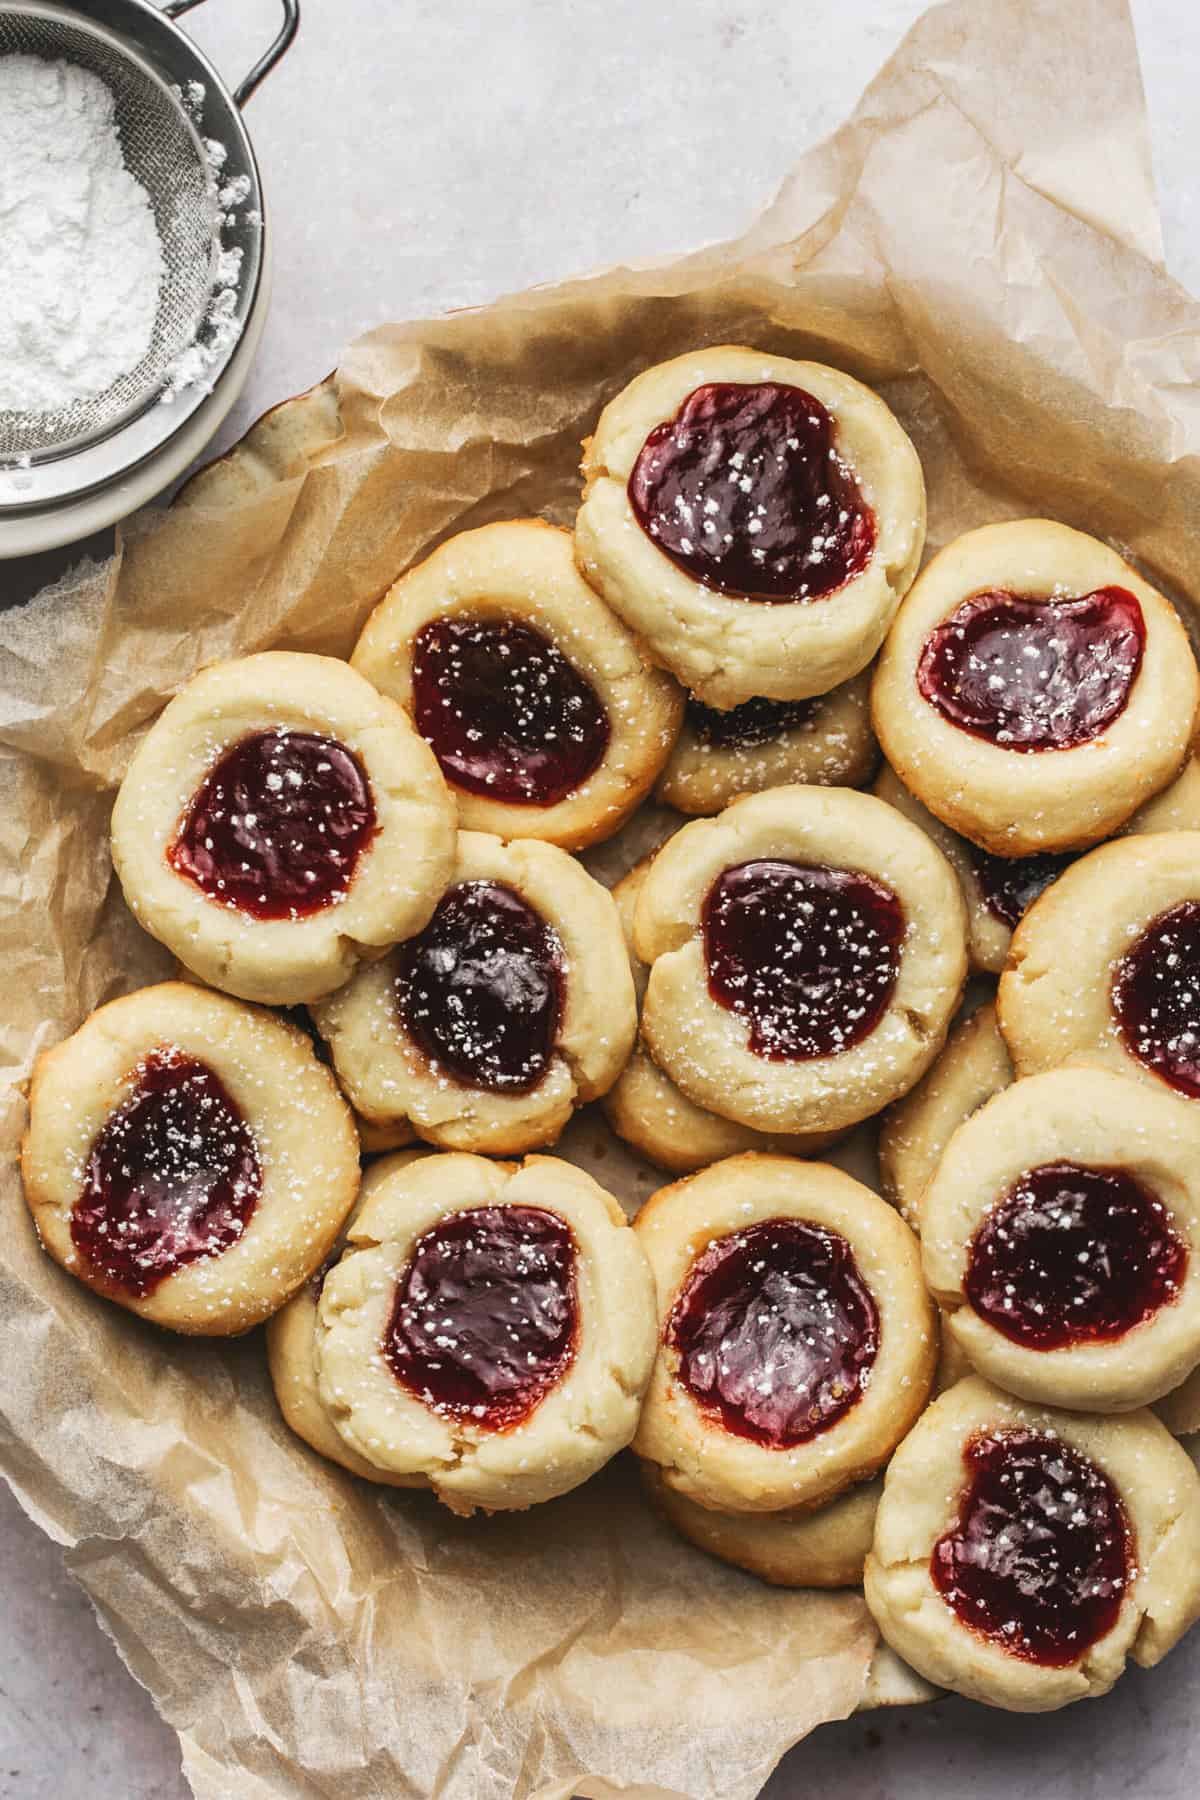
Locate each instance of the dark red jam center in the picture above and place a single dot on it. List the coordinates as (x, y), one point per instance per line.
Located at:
(1156, 997)
(1011, 884)
(756, 721)
(172, 1177)
(481, 989)
(1073, 1255)
(807, 954)
(504, 711)
(746, 490)
(775, 1331)
(1042, 1553)
(485, 1317)
(278, 825)
(1034, 674)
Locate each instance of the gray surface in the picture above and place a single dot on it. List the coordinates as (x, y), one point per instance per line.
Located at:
(432, 154)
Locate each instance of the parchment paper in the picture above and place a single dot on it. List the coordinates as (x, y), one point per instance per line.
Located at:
(980, 241)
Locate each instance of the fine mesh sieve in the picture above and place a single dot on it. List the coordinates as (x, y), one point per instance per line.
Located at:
(171, 110)
(164, 153)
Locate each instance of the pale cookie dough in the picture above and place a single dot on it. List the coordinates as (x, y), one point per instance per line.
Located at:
(378, 1140)
(373, 1140)
(1180, 1411)
(703, 1459)
(915, 1131)
(1015, 802)
(989, 932)
(647, 1110)
(292, 1354)
(1154, 1479)
(398, 876)
(1095, 1120)
(523, 572)
(705, 1047)
(1057, 997)
(1176, 808)
(581, 1421)
(387, 1073)
(1049, 1017)
(952, 1364)
(826, 742)
(295, 1127)
(726, 648)
(822, 1548)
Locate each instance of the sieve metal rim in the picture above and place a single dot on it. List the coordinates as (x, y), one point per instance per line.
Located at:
(163, 52)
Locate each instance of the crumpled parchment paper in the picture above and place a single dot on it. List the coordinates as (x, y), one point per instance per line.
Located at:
(980, 241)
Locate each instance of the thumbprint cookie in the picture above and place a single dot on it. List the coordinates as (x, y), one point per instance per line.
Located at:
(1180, 1410)
(280, 822)
(915, 1131)
(1061, 1231)
(797, 1344)
(544, 716)
(188, 1157)
(1176, 808)
(1107, 962)
(1021, 1554)
(489, 1329)
(999, 890)
(825, 742)
(806, 952)
(373, 1140)
(292, 1351)
(513, 1006)
(647, 1110)
(824, 1547)
(753, 519)
(1034, 691)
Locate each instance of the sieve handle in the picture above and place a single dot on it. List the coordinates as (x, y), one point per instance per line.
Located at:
(175, 9)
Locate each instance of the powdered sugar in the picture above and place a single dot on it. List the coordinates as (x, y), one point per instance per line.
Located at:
(80, 259)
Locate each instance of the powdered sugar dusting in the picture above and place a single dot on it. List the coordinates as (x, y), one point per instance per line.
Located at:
(79, 249)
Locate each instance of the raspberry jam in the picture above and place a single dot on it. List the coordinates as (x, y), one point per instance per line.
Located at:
(480, 990)
(1156, 997)
(173, 1176)
(1011, 884)
(277, 826)
(775, 1331)
(1034, 674)
(1073, 1255)
(485, 1319)
(1042, 1553)
(746, 491)
(807, 954)
(504, 711)
(756, 721)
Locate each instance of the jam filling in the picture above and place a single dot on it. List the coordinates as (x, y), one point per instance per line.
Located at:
(775, 1331)
(481, 989)
(504, 711)
(1042, 1552)
(485, 1318)
(1073, 1255)
(1034, 674)
(278, 825)
(756, 721)
(173, 1176)
(1011, 884)
(1156, 997)
(746, 491)
(807, 954)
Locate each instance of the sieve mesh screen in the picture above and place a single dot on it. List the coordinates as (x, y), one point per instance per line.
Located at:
(163, 153)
